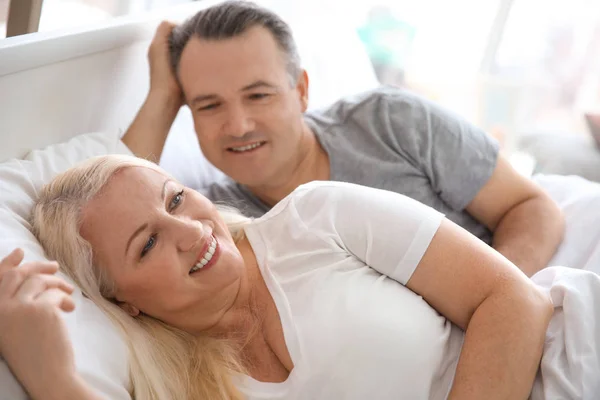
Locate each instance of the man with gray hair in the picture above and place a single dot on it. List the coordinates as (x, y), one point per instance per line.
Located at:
(237, 67)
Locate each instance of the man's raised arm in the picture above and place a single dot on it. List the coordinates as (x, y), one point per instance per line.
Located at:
(147, 135)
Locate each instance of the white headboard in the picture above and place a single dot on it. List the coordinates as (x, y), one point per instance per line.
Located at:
(62, 83)
(55, 85)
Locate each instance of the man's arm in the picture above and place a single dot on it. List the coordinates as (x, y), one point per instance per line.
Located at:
(147, 134)
(465, 168)
(528, 226)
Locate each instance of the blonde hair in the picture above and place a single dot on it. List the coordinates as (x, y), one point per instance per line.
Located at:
(165, 362)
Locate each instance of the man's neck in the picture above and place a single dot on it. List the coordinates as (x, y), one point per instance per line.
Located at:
(310, 164)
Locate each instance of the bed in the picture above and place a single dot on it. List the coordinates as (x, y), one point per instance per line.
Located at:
(72, 93)
(68, 95)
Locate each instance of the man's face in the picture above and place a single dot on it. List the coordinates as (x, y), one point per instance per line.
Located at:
(247, 113)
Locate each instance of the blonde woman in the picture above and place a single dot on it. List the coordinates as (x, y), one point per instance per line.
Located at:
(339, 292)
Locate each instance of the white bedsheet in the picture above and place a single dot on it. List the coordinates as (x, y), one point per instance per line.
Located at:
(580, 201)
(570, 367)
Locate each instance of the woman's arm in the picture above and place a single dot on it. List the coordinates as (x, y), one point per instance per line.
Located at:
(33, 337)
(76, 388)
(504, 314)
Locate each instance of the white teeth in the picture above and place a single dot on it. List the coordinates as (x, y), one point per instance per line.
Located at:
(248, 147)
(207, 257)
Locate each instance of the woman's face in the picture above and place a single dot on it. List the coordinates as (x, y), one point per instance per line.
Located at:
(165, 248)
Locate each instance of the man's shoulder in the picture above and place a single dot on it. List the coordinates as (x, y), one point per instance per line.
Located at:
(371, 104)
(229, 193)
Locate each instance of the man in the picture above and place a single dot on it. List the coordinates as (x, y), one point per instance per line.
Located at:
(236, 66)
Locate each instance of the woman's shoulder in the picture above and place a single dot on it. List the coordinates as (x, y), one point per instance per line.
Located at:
(321, 191)
(310, 197)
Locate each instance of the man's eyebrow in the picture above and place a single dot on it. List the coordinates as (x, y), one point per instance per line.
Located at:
(139, 230)
(258, 84)
(203, 97)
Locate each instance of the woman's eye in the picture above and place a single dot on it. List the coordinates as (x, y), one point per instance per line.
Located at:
(176, 201)
(149, 245)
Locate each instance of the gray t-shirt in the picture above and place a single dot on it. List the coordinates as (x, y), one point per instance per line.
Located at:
(391, 139)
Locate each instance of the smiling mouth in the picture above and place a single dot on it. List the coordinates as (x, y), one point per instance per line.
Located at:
(207, 257)
(246, 148)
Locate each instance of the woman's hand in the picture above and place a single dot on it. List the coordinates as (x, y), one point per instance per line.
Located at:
(163, 82)
(33, 336)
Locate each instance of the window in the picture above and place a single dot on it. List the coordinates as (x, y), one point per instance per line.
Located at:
(3, 17)
(548, 58)
(510, 66)
(57, 14)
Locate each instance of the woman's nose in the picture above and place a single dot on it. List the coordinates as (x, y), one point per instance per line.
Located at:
(188, 233)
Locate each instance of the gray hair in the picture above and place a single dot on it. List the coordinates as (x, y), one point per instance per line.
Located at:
(231, 19)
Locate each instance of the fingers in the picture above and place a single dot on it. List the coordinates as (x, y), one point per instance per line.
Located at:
(11, 280)
(39, 267)
(162, 32)
(16, 257)
(165, 28)
(57, 298)
(12, 260)
(35, 285)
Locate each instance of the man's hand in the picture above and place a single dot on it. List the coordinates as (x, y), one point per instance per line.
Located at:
(147, 134)
(163, 81)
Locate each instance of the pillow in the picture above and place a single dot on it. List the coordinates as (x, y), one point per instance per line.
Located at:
(593, 123)
(563, 154)
(100, 352)
(579, 199)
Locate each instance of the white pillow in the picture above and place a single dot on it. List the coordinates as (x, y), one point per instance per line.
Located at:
(100, 352)
(579, 199)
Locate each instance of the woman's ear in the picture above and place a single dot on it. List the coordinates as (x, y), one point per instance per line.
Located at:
(129, 309)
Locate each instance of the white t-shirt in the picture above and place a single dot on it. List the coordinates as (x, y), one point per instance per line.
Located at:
(335, 257)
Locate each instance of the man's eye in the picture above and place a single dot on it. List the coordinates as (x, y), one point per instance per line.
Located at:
(149, 245)
(176, 200)
(208, 107)
(259, 96)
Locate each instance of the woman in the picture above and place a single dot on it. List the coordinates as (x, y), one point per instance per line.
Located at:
(339, 292)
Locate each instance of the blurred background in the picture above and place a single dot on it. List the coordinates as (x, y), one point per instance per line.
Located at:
(526, 71)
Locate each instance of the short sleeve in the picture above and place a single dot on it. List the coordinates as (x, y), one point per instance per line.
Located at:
(387, 231)
(457, 157)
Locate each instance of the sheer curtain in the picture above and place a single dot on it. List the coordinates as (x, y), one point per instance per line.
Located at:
(58, 14)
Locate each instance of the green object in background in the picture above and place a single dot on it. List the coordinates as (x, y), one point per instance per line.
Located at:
(387, 39)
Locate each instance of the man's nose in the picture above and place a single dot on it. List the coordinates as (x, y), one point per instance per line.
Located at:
(239, 122)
